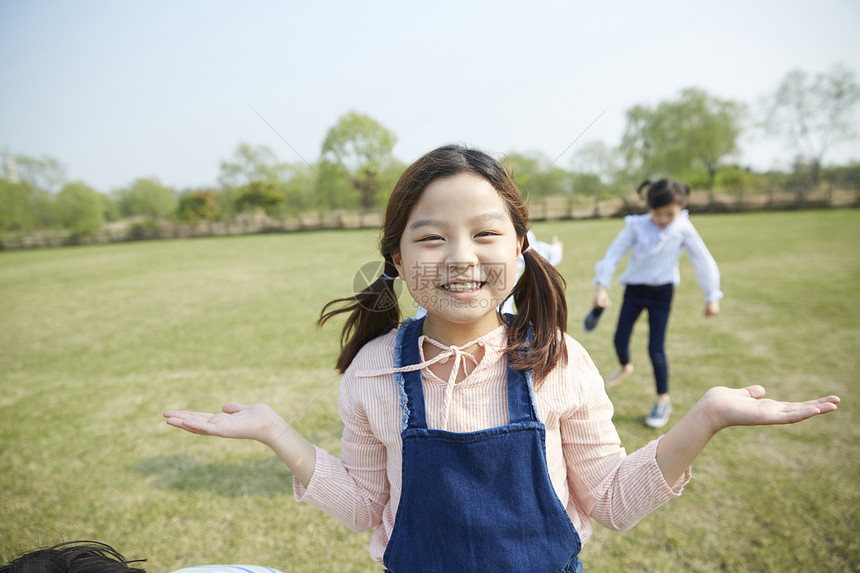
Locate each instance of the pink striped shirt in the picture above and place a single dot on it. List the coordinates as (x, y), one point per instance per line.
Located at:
(589, 470)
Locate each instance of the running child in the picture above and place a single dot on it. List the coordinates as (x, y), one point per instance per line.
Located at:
(655, 241)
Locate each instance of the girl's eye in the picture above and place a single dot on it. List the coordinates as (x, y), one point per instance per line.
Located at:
(487, 234)
(430, 238)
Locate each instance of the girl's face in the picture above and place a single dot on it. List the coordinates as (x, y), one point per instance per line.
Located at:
(663, 216)
(458, 257)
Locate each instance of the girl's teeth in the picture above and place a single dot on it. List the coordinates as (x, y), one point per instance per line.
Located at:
(461, 287)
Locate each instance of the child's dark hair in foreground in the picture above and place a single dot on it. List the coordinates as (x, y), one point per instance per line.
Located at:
(73, 557)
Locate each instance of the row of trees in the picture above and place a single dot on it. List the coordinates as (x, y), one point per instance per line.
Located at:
(356, 163)
(694, 137)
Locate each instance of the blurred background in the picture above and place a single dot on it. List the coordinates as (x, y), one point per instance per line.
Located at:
(198, 111)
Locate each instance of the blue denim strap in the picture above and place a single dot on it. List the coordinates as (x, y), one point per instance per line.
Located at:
(521, 400)
(410, 387)
(521, 405)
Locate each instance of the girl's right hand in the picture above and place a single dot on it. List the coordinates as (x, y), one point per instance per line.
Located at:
(257, 422)
(601, 297)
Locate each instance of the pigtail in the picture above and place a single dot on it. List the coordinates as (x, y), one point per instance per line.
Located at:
(541, 306)
(642, 186)
(372, 312)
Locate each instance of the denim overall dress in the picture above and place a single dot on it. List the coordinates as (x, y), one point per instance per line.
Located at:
(476, 501)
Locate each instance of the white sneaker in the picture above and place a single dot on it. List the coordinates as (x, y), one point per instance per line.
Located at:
(659, 415)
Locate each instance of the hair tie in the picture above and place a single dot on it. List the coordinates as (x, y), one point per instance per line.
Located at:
(388, 277)
(524, 251)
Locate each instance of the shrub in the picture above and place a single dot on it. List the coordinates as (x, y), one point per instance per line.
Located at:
(197, 206)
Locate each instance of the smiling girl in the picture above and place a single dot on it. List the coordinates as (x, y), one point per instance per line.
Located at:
(475, 441)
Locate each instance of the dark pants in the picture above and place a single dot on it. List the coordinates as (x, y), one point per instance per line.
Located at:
(658, 301)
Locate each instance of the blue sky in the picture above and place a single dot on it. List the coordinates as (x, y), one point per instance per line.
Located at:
(123, 89)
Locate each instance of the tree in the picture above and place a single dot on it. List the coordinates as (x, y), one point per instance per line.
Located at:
(148, 198)
(739, 180)
(597, 158)
(814, 112)
(597, 169)
(333, 188)
(250, 163)
(298, 188)
(844, 176)
(696, 131)
(198, 206)
(525, 169)
(41, 178)
(46, 174)
(262, 195)
(79, 208)
(18, 212)
(110, 208)
(356, 147)
(589, 185)
(388, 177)
(536, 177)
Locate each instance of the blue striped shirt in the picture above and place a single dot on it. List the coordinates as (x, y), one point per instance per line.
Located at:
(654, 255)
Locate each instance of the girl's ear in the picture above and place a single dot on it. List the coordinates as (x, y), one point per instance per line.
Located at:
(395, 258)
(520, 241)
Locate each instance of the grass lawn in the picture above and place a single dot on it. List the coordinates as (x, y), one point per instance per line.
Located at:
(95, 342)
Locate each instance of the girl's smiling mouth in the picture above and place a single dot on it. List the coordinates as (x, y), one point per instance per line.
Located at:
(463, 287)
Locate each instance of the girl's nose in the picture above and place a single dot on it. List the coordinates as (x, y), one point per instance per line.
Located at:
(462, 254)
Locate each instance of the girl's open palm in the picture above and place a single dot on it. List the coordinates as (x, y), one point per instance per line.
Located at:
(237, 421)
(748, 407)
(258, 422)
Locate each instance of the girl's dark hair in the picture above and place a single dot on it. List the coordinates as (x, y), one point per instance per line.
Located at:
(664, 192)
(73, 557)
(539, 293)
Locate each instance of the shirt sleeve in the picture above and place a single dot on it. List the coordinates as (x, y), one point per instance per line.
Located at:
(707, 272)
(354, 489)
(615, 489)
(618, 249)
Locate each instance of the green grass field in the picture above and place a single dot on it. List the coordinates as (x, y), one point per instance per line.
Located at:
(95, 342)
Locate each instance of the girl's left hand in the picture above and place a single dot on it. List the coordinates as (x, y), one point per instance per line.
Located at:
(712, 308)
(726, 407)
(722, 407)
